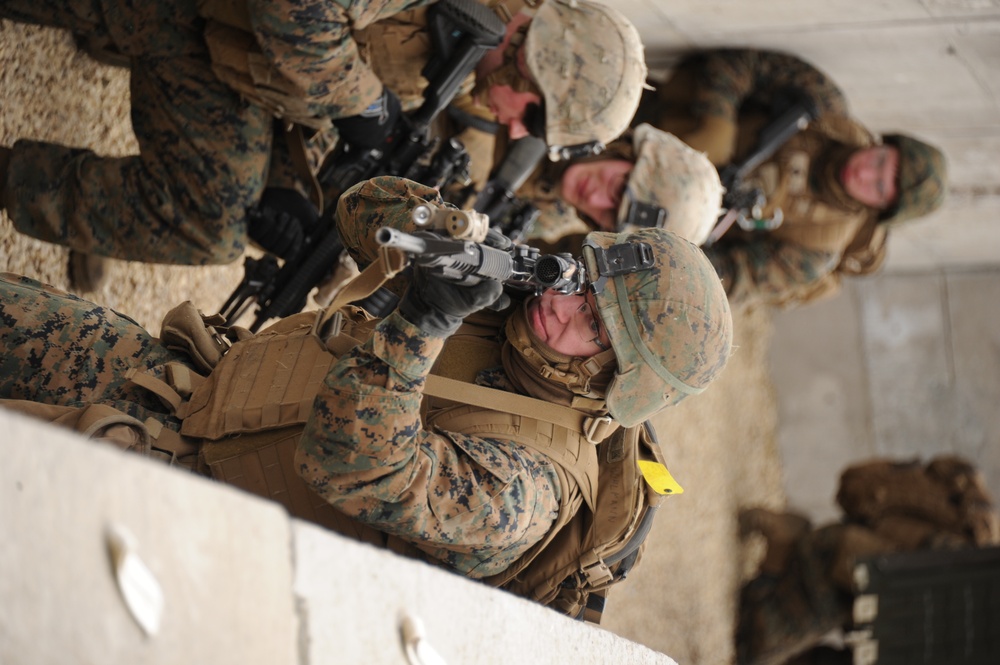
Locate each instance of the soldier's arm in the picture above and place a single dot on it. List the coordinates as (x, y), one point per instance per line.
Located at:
(310, 43)
(475, 504)
(772, 272)
(729, 77)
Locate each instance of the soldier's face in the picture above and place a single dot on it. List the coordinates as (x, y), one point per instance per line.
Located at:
(568, 324)
(509, 105)
(596, 189)
(869, 176)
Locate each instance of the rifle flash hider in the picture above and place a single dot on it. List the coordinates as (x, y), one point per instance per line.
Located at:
(458, 224)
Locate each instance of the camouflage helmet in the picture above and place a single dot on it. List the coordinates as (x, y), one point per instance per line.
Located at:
(669, 321)
(679, 180)
(920, 180)
(588, 62)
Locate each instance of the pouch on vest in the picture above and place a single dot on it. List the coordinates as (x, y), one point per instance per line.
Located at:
(594, 550)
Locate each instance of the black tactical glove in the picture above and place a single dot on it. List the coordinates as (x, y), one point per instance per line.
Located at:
(281, 221)
(437, 306)
(371, 127)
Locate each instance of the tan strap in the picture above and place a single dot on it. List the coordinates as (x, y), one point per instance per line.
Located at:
(184, 379)
(390, 262)
(297, 152)
(594, 428)
(168, 440)
(161, 389)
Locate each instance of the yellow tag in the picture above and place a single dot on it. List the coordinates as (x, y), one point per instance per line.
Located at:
(659, 478)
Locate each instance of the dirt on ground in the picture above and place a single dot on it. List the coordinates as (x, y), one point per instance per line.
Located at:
(720, 445)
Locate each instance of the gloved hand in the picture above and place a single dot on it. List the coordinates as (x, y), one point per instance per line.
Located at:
(371, 127)
(437, 306)
(281, 221)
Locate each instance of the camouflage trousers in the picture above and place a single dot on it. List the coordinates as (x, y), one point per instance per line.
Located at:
(58, 349)
(203, 151)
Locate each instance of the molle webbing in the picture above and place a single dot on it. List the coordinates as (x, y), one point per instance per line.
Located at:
(266, 382)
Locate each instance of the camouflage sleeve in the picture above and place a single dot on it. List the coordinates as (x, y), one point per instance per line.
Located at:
(475, 504)
(729, 77)
(771, 272)
(310, 43)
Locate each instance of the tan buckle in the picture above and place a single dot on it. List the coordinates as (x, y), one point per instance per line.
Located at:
(597, 429)
(595, 570)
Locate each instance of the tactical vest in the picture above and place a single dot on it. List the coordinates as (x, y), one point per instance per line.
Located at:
(396, 46)
(248, 415)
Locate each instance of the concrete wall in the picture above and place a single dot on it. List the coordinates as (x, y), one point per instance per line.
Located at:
(902, 365)
(241, 581)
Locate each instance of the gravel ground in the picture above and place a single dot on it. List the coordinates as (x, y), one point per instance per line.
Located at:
(720, 445)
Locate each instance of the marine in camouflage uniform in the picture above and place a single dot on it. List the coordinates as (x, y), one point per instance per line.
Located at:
(204, 151)
(645, 166)
(471, 501)
(718, 100)
(805, 588)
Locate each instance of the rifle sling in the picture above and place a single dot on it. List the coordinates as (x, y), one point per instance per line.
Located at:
(593, 428)
(466, 119)
(297, 152)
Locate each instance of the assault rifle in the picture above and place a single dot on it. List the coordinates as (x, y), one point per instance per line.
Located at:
(458, 246)
(462, 31)
(744, 204)
(467, 251)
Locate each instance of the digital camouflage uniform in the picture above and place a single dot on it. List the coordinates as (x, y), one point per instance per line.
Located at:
(717, 101)
(806, 589)
(203, 151)
(471, 502)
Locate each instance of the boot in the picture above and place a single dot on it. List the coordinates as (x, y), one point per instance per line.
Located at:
(87, 272)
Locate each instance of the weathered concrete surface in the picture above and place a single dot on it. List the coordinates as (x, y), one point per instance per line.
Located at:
(354, 598)
(242, 582)
(899, 365)
(222, 558)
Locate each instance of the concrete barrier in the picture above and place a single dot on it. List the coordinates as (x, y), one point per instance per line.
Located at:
(241, 581)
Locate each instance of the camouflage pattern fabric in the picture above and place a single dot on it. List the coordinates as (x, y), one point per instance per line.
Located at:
(672, 176)
(588, 61)
(203, 152)
(475, 504)
(921, 179)
(318, 55)
(722, 83)
(58, 349)
(801, 260)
